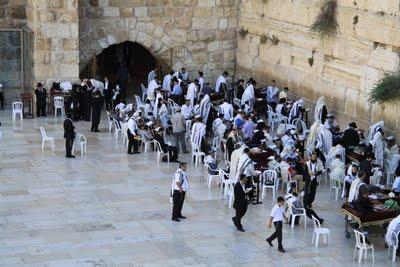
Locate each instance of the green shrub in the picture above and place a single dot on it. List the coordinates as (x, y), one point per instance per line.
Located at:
(386, 89)
(326, 23)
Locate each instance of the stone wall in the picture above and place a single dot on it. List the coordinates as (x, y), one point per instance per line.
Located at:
(196, 34)
(12, 13)
(56, 40)
(345, 66)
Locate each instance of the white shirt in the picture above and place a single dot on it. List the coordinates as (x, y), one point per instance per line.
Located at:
(201, 83)
(277, 213)
(150, 89)
(227, 110)
(132, 126)
(180, 177)
(221, 79)
(248, 95)
(282, 94)
(191, 93)
(186, 111)
(167, 82)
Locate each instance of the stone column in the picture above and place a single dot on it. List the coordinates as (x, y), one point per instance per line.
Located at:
(56, 40)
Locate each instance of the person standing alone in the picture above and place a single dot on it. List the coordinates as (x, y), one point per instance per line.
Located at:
(180, 185)
(277, 216)
(69, 135)
(132, 135)
(41, 95)
(240, 203)
(97, 105)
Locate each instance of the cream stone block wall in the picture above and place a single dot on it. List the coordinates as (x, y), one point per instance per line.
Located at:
(346, 64)
(200, 34)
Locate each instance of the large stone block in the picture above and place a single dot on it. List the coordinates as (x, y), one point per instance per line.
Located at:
(381, 58)
(140, 11)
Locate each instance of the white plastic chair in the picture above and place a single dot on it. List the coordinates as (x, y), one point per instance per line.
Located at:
(211, 177)
(336, 186)
(230, 194)
(362, 246)
(110, 121)
(318, 230)
(393, 247)
(302, 213)
(301, 125)
(144, 91)
(160, 152)
(125, 139)
(46, 138)
(139, 103)
(197, 154)
(17, 109)
(270, 181)
(146, 140)
(188, 126)
(80, 141)
(118, 129)
(59, 104)
(216, 145)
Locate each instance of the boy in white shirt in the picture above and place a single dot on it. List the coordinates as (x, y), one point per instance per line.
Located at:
(277, 216)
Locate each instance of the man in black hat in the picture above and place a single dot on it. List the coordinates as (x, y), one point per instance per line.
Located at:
(69, 135)
(350, 136)
(41, 96)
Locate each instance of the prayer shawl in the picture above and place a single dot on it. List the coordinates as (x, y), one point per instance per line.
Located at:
(205, 106)
(312, 137)
(151, 89)
(152, 75)
(319, 108)
(338, 149)
(227, 110)
(186, 111)
(221, 79)
(337, 170)
(373, 129)
(198, 132)
(219, 127)
(324, 139)
(377, 144)
(314, 167)
(248, 95)
(393, 232)
(245, 166)
(196, 109)
(353, 192)
(191, 93)
(295, 110)
(390, 152)
(155, 110)
(167, 82)
(234, 166)
(272, 94)
(98, 85)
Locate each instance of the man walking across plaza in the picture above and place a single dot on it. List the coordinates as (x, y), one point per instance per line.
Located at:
(180, 185)
(240, 203)
(277, 216)
(69, 135)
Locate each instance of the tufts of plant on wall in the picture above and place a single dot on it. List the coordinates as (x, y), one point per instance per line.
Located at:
(326, 22)
(263, 38)
(274, 39)
(243, 32)
(386, 89)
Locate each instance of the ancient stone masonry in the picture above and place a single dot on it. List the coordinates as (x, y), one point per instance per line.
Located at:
(197, 34)
(12, 13)
(345, 66)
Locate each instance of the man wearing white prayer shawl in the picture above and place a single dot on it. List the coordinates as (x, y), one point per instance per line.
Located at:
(246, 164)
(98, 85)
(373, 129)
(324, 141)
(320, 110)
(248, 95)
(226, 110)
(155, 108)
(355, 185)
(153, 85)
(151, 76)
(392, 237)
(312, 137)
(219, 128)
(221, 80)
(391, 148)
(186, 110)
(295, 110)
(198, 132)
(192, 92)
(167, 82)
(205, 106)
(378, 146)
(233, 167)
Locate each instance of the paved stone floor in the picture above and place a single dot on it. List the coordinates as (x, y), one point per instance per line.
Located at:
(111, 209)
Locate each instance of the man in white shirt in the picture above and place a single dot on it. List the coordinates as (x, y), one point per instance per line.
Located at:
(132, 136)
(151, 76)
(272, 94)
(201, 81)
(183, 75)
(248, 96)
(180, 185)
(192, 92)
(187, 110)
(167, 82)
(277, 216)
(198, 132)
(153, 85)
(221, 80)
(227, 110)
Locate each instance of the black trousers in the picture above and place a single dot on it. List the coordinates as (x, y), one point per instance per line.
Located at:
(68, 146)
(108, 102)
(95, 126)
(239, 215)
(277, 234)
(309, 213)
(2, 100)
(178, 199)
(40, 110)
(133, 143)
(313, 191)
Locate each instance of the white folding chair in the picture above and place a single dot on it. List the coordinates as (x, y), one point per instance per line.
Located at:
(301, 125)
(336, 185)
(144, 91)
(297, 212)
(139, 103)
(188, 126)
(59, 105)
(46, 138)
(80, 141)
(110, 121)
(125, 139)
(318, 230)
(211, 177)
(146, 140)
(230, 194)
(197, 154)
(362, 246)
(118, 129)
(17, 109)
(160, 152)
(270, 181)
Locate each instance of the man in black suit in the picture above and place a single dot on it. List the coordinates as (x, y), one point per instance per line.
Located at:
(240, 203)
(350, 136)
(69, 135)
(97, 105)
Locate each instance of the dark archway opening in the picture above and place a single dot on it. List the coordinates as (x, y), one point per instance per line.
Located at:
(138, 60)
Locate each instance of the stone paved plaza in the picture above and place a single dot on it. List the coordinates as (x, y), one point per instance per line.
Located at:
(111, 209)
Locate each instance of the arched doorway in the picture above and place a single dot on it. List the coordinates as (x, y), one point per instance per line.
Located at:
(138, 60)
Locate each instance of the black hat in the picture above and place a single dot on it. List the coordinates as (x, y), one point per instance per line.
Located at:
(353, 125)
(39, 85)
